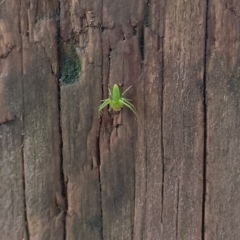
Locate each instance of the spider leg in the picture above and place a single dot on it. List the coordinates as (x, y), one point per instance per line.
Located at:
(128, 99)
(126, 90)
(109, 92)
(126, 103)
(104, 104)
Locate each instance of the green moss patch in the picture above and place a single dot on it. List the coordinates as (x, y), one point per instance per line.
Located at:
(70, 67)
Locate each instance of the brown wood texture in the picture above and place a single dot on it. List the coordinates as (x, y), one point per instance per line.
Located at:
(183, 121)
(172, 173)
(30, 139)
(223, 125)
(12, 221)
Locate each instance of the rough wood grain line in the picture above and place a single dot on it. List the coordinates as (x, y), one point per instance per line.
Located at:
(223, 125)
(43, 190)
(12, 222)
(183, 125)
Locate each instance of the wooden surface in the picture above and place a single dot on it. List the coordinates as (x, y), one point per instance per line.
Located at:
(12, 215)
(223, 126)
(172, 173)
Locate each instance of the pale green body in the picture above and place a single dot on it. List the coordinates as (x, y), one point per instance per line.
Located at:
(117, 101)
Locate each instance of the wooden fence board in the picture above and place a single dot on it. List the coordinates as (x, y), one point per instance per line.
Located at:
(223, 88)
(122, 65)
(12, 219)
(81, 172)
(81, 39)
(31, 96)
(183, 121)
(42, 156)
(169, 173)
(41, 139)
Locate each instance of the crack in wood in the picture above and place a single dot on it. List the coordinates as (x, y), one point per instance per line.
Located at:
(232, 10)
(142, 44)
(7, 119)
(177, 207)
(162, 144)
(134, 196)
(205, 121)
(147, 13)
(62, 199)
(98, 155)
(7, 52)
(26, 228)
(26, 232)
(144, 222)
(101, 207)
(99, 176)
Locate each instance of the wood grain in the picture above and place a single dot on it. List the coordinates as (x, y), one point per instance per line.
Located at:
(12, 219)
(183, 119)
(80, 119)
(30, 123)
(68, 172)
(223, 87)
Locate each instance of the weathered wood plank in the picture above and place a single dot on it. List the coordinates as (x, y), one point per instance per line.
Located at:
(153, 129)
(223, 125)
(42, 153)
(183, 121)
(12, 220)
(80, 139)
(30, 143)
(122, 23)
(126, 177)
(80, 97)
(126, 146)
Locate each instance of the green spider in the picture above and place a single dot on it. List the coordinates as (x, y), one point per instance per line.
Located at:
(117, 101)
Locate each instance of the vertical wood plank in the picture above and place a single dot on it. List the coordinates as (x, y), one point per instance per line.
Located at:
(223, 125)
(183, 122)
(123, 177)
(148, 167)
(29, 121)
(80, 96)
(12, 219)
(149, 162)
(122, 24)
(42, 153)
